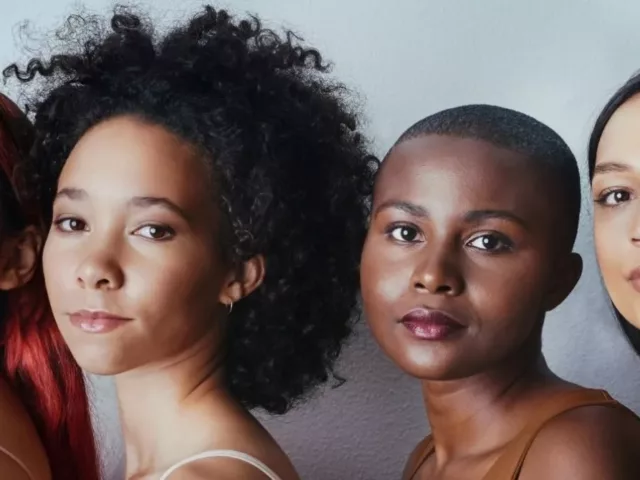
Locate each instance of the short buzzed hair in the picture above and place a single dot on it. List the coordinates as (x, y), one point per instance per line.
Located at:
(516, 131)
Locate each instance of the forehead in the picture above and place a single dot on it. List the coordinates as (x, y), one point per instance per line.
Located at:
(620, 137)
(126, 156)
(462, 173)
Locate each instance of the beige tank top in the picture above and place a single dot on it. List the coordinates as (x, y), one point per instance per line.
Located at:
(509, 463)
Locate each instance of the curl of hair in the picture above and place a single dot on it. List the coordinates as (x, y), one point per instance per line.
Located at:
(630, 89)
(33, 355)
(292, 172)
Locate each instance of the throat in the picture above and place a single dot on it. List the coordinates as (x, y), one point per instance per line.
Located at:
(471, 419)
(162, 409)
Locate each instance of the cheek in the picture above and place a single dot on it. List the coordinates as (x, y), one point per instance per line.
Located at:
(508, 295)
(611, 242)
(617, 256)
(56, 269)
(184, 288)
(384, 278)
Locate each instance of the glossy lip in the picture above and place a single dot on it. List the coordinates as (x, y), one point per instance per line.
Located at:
(634, 279)
(429, 324)
(96, 321)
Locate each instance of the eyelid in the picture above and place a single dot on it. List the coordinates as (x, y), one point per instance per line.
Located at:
(58, 221)
(507, 243)
(171, 232)
(389, 229)
(601, 198)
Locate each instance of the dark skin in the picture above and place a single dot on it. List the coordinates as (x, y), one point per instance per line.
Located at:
(460, 226)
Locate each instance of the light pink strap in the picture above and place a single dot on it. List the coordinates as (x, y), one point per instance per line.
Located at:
(243, 457)
(20, 463)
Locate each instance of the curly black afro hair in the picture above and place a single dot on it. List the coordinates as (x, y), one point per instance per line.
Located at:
(294, 173)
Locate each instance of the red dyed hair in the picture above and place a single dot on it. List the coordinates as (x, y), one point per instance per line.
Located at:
(37, 362)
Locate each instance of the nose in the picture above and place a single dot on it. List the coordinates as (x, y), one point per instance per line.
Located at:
(100, 269)
(438, 272)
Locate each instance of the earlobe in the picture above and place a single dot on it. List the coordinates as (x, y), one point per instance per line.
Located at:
(19, 258)
(566, 279)
(241, 283)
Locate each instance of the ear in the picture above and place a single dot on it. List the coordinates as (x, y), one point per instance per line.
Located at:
(241, 283)
(566, 277)
(19, 255)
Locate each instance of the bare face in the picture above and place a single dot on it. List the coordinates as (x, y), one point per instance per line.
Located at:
(616, 193)
(131, 263)
(460, 261)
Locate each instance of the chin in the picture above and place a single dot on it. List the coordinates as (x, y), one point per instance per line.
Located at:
(630, 308)
(434, 372)
(428, 364)
(102, 363)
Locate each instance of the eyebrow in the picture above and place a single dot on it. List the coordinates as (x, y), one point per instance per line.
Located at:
(478, 216)
(610, 167)
(72, 193)
(136, 202)
(408, 207)
(475, 216)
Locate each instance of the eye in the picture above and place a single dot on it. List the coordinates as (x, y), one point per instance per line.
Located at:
(405, 233)
(491, 242)
(155, 232)
(614, 197)
(70, 224)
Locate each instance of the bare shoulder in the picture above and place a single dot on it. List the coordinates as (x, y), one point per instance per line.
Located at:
(586, 443)
(415, 458)
(243, 435)
(9, 468)
(19, 437)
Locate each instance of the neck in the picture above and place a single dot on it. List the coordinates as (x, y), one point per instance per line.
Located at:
(159, 401)
(480, 413)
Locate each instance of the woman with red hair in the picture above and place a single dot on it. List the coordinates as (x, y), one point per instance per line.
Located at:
(46, 429)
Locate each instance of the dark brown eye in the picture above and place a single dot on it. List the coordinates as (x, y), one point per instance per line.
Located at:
(70, 224)
(615, 197)
(155, 232)
(405, 233)
(491, 243)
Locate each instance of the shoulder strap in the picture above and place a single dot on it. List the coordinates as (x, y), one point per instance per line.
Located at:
(510, 462)
(243, 457)
(418, 457)
(20, 463)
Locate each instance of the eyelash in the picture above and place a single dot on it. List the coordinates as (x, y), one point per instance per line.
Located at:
(506, 244)
(170, 231)
(399, 226)
(606, 194)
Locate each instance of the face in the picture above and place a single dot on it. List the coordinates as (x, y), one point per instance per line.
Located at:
(458, 265)
(130, 261)
(616, 189)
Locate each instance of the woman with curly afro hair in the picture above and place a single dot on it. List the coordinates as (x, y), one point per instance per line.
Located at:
(208, 193)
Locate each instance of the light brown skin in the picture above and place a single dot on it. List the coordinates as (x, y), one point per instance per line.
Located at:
(616, 189)
(18, 435)
(156, 262)
(461, 226)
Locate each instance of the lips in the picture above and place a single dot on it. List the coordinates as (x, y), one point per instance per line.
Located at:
(428, 324)
(94, 321)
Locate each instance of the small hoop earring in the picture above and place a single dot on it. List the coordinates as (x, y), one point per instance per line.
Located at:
(230, 307)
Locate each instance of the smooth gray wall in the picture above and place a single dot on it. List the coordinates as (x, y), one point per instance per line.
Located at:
(557, 60)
